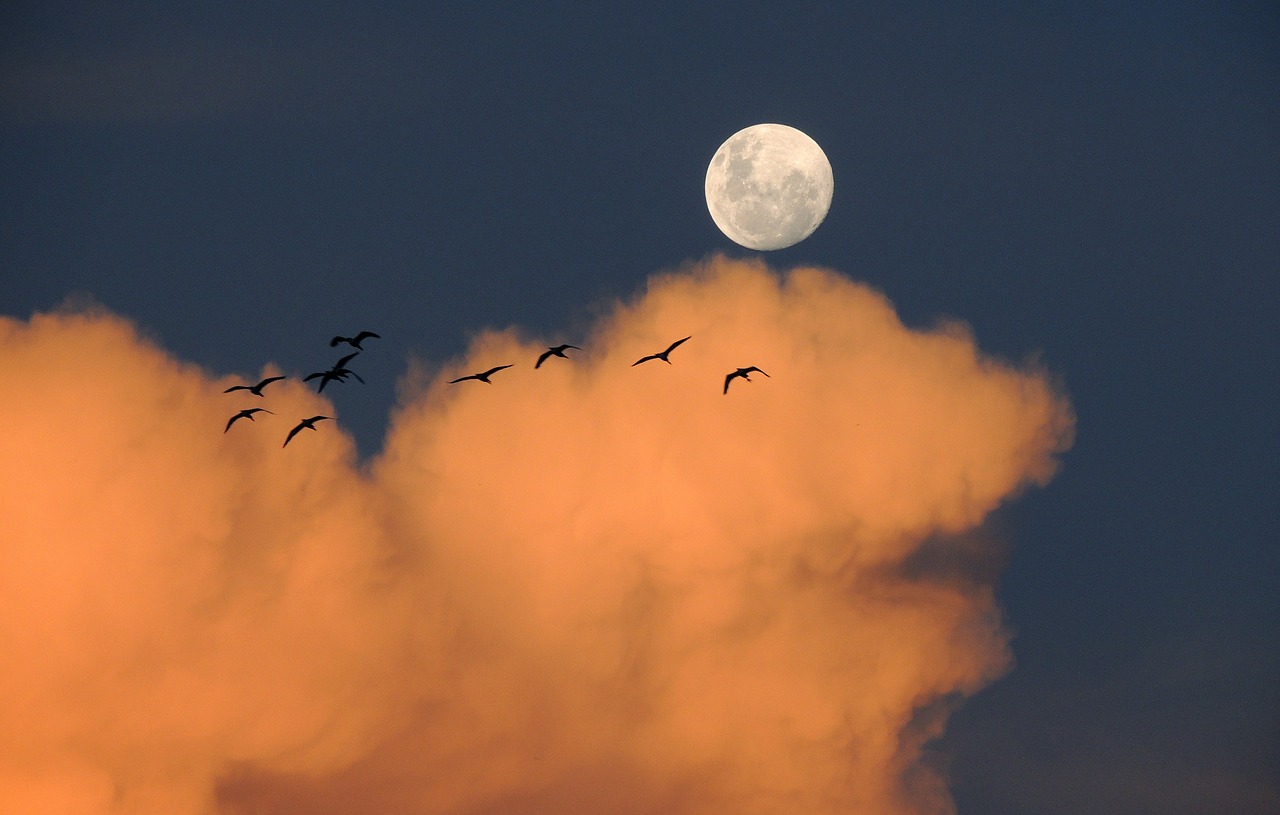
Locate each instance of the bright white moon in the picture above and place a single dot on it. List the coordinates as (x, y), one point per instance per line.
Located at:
(769, 186)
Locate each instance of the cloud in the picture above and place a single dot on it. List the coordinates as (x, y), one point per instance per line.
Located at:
(175, 598)
(586, 587)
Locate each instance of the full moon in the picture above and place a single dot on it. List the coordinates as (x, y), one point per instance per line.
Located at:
(769, 186)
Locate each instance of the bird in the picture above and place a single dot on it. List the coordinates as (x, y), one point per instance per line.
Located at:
(742, 372)
(355, 341)
(341, 364)
(331, 376)
(556, 351)
(662, 355)
(338, 372)
(247, 413)
(483, 377)
(307, 423)
(256, 390)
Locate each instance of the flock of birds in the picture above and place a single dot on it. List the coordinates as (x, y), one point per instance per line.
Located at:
(559, 351)
(339, 372)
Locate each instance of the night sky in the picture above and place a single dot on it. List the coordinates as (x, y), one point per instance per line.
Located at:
(1092, 187)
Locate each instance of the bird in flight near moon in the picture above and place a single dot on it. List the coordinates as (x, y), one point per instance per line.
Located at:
(745, 373)
(555, 351)
(256, 390)
(247, 413)
(483, 376)
(355, 341)
(662, 355)
(305, 424)
(767, 187)
(339, 372)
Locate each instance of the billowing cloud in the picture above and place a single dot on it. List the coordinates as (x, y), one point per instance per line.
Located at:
(587, 587)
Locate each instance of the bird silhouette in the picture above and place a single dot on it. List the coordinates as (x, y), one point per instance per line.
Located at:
(355, 341)
(247, 413)
(339, 372)
(742, 372)
(662, 355)
(483, 377)
(305, 423)
(556, 351)
(256, 390)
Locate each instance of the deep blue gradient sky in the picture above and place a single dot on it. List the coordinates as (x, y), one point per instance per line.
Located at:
(1096, 184)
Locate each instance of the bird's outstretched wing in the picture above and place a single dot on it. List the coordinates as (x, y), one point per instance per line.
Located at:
(310, 377)
(463, 379)
(232, 420)
(757, 370)
(543, 358)
(342, 363)
(236, 388)
(644, 359)
(728, 378)
(292, 433)
(673, 346)
(333, 343)
(268, 381)
(363, 335)
(493, 371)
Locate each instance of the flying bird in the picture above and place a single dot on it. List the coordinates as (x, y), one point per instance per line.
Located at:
(331, 376)
(556, 351)
(662, 355)
(305, 423)
(256, 390)
(247, 413)
(355, 341)
(742, 372)
(342, 363)
(483, 377)
(339, 372)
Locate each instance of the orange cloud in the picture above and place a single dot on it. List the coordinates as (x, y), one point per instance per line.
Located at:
(585, 587)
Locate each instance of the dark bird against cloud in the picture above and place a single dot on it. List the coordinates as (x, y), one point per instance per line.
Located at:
(554, 350)
(247, 413)
(339, 372)
(742, 372)
(662, 355)
(309, 424)
(355, 341)
(256, 390)
(483, 377)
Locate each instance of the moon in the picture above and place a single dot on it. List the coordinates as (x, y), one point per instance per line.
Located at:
(769, 186)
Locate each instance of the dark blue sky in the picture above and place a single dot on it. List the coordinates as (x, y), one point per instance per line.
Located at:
(1096, 184)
